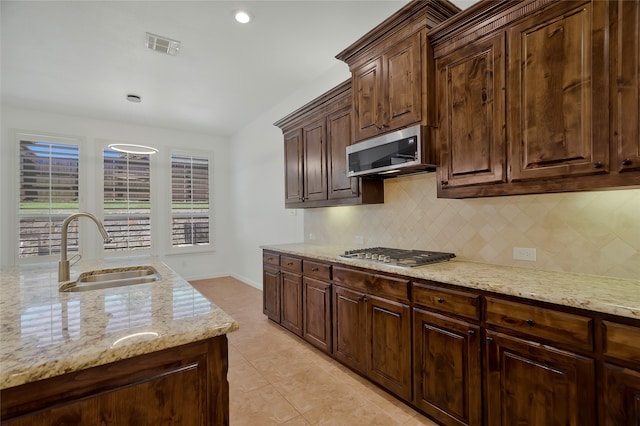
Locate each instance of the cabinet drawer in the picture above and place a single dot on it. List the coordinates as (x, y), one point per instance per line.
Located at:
(622, 341)
(292, 264)
(548, 324)
(317, 270)
(271, 259)
(450, 301)
(371, 283)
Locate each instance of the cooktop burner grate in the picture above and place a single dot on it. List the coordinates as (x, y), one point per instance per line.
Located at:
(397, 257)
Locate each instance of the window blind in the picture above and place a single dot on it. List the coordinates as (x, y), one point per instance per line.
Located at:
(127, 200)
(190, 209)
(48, 194)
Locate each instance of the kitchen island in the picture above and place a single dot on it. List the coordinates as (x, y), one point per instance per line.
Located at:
(152, 353)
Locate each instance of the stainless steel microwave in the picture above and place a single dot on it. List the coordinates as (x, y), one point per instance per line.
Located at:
(389, 155)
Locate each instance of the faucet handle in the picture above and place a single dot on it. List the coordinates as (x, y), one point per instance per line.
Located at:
(77, 258)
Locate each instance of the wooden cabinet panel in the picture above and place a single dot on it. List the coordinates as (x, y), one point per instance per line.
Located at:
(622, 341)
(291, 303)
(532, 384)
(471, 97)
(621, 396)
(367, 99)
(625, 85)
(551, 325)
(452, 302)
(316, 270)
(316, 307)
(402, 67)
(340, 136)
(185, 385)
(368, 282)
(315, 161)
(271, 259)
(447, 368)
(556, 68)
(389, 345)
(349, 328)
(292, 264)
(271, 293)
(293, 172)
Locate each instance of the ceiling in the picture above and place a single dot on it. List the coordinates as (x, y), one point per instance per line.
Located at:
(83, 57)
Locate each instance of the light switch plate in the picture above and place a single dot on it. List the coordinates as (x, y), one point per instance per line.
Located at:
(524, 253)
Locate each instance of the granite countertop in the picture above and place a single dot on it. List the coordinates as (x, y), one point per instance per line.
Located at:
(601, 294)
(46, 333)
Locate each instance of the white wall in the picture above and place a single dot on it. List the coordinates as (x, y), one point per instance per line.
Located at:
(257, 190)
(190, 266)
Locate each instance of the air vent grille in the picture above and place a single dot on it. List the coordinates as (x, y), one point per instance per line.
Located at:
(162, 44)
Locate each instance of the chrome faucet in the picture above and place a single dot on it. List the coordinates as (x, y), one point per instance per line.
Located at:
(63, 265)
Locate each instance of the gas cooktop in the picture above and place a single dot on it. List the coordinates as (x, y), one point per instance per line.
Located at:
(397, 257)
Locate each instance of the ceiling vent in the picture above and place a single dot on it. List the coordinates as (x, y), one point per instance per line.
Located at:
(162, 44)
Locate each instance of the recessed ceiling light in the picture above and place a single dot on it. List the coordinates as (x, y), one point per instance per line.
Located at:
(242, 16)
(134, 98)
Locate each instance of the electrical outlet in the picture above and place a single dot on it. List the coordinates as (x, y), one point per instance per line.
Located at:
(312, 236)
(358, 239)
(524, 253)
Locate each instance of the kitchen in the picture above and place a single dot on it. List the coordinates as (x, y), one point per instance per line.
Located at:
(594, 232)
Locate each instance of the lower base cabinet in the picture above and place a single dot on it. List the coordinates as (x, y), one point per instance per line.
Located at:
(271, 293)
(622, 396)
(528, 383)
(349, 326)
(291, 303)
(447, 368)
(316, 306)
(186, 385)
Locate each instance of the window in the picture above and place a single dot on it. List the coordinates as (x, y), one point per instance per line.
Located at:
(190, 209)
(127, 200)
(48, 194)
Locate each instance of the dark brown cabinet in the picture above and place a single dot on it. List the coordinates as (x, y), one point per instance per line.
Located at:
(372, 333)
(534, 384)
(291, 315)
(315, 141)
(271, 286)
(316, 304)
(471, 115)
(185, 385)
(391, 70)
(536, 97)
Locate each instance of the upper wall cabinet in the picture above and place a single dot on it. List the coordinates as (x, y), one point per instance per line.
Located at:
(392, 85)
(527, 102)
(315, 141)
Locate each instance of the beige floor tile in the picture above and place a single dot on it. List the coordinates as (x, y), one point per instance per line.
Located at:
(276, 378)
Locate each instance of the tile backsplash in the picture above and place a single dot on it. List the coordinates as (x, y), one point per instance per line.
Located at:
(595, 232)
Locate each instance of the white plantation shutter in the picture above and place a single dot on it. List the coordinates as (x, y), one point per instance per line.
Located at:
(190, 209)
(127, 200)
(48, 194)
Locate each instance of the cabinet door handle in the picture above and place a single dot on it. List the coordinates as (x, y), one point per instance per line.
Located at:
(626, 162)
(444, 183)
(489, 339)
(471, 332)
(440, 300)
(530, 322)
(597, 165)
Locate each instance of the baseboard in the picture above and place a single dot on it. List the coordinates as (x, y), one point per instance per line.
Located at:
(247, 281)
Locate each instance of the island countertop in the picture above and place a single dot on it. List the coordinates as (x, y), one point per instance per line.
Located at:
(46, 333)
(607, 295)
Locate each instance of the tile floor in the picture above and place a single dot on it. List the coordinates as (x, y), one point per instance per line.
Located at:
(275, 378)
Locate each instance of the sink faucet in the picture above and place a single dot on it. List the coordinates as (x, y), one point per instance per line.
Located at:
(63, 265)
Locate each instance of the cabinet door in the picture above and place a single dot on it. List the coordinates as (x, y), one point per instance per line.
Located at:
(403, 88)
(558, 122)
(349, 329)
(389, 345)
(532, 384)
(447, 368)
(622, 396)
(293, 189)
(315, 161)
(367, 98)
(271, 293)
(316, 306)
(291, 312)
(339, 129)
(625, 96)
(471, 98)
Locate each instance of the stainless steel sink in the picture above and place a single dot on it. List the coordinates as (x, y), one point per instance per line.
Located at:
(115, 277)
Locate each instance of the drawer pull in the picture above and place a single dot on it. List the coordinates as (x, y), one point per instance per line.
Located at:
(530, 322)
(269, 259)
(489, 339)
(290, 264)
(314, 269)
(440, 300)
(471, 332)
